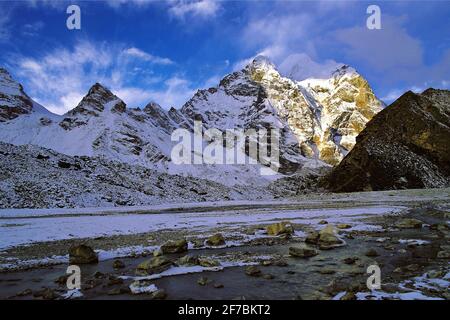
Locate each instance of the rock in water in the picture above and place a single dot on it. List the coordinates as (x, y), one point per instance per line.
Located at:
(82, 254)
(312, 237)
(216, 240)
(118, 264)
(371, 253)
(279, 228)
(154, 265)
(302, 252)
(174, 246)
(409, 224)
(404, 146)
(187, 261)
(252, 271)
(328, 237)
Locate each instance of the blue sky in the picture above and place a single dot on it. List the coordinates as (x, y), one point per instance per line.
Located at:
(166, 50)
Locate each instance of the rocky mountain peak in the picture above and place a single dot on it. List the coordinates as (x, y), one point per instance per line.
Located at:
(152, 107)
(13, 100)
(261, 62)
(344, 70)
(97, 100)
(403, 146)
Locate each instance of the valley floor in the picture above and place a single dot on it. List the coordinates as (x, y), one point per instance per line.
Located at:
(414, 263)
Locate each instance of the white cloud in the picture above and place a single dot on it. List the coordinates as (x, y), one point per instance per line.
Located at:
(299, 66)
(196, 8)
(388, 49)
(176, 92)
(119, 3)
(32, 29)
(59, 79)
(4, 28)
(135, 52)
(394, 94)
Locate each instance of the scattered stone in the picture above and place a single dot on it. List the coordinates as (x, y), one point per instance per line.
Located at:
(336, 286)
(154, 265)
(82, 254)
(302, 252)
(412, 267)
(25, 292)
(409, 224)
(157, 253)
(187, 261)
(279, 228)
(350, 260)
(328, 238)
(252, 271)
(343, 226)
(92, 283)
(280, 263)
(114, 292)
(203, 281)
(62, 280)
(174, 246)
(440, 227)
(99, 275)
(326, 271)
(432, 274)
(216, 240)
(113, 280)
(218, 285)
(444, 253)
(312, 237)
(268, 276)
(323, 222)
(159, 294)
(46, 294)
(348, 296)
(371, 253)
(63, 164)
(208, 262)
(118, 264)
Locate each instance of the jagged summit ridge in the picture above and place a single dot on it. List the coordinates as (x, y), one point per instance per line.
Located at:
(13, 100)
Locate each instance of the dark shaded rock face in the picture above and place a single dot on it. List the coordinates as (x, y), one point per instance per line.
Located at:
(407, 145)
(13, 100)
(92, 105)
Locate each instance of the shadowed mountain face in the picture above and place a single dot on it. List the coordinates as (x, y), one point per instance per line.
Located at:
(407, 145)
(13, 100)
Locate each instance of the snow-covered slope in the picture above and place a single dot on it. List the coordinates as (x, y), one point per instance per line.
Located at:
(13, 100)
(318, 120)
(102, 126)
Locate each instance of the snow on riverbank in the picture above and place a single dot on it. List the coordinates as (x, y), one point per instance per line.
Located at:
(22, 231)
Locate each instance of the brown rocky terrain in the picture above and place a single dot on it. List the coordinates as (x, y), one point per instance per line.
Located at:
(407, 145)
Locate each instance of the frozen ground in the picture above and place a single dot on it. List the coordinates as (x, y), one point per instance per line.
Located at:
(41, 238)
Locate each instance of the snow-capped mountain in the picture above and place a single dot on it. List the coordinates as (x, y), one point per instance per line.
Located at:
(101, 125)
(13, 100)
(318, 118)
(318, 121)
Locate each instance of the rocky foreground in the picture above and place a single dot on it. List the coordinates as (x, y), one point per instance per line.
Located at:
(404, 146)
(316, 248)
